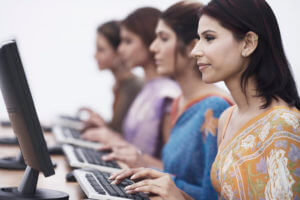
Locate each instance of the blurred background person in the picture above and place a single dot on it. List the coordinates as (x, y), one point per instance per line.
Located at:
(127, 85)
(148, 118)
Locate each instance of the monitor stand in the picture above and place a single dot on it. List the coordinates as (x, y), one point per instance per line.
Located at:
(14, 163)
(53, 150)
(27, 189)
(9, 140)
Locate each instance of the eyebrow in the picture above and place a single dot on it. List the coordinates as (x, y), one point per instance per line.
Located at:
(207, 31)
(161, 32)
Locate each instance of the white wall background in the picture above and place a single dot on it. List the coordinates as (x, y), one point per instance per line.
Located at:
(56, 39)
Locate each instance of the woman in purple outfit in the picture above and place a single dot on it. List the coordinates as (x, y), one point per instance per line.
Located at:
(147, 123)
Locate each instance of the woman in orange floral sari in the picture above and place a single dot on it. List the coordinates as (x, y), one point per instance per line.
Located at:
(262, 159)
(259, 148)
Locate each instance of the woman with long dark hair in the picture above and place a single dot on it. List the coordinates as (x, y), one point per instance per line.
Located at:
(127, 85)
(259, 147)
(258, 155)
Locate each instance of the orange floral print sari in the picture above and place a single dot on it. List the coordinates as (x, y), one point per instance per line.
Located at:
(262, 160)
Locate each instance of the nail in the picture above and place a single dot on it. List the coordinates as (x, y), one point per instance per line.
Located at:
(127, 187)
(114, 182)
(129, 191)
(133, 176)
(111, 177)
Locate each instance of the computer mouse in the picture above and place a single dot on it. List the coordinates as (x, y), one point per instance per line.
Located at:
(70, 177)
(55, 150)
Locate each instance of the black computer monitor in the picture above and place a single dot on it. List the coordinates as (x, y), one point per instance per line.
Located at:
(26, 126)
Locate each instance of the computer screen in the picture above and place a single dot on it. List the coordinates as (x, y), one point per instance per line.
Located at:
(24, 120)
(21, 110)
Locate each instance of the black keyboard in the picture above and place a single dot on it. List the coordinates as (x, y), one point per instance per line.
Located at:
(93, 156)
(71, 132)
(102, 185)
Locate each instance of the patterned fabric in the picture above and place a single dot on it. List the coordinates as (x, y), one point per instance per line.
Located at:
(142, 125)
(262, 161)
(192, 145)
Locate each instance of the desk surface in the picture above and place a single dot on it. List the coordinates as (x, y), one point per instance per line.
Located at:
(12, 178)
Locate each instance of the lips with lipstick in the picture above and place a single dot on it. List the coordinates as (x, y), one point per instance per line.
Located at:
(202, 66)
(158, 61)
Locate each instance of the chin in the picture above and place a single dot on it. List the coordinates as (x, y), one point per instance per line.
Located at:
(161, 71)
(164, 73)
(128, 64)
(101, 68)
(209, 79)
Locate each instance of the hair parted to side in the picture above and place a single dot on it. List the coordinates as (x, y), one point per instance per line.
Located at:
(183, 18)
(268, 66)
(143, 22)
(111, 31)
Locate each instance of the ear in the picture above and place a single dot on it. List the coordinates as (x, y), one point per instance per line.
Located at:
(191, 46)
(250, 44)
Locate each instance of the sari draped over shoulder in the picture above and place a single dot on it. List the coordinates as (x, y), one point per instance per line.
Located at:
(192, 146)
(262, 161)
(142, 124)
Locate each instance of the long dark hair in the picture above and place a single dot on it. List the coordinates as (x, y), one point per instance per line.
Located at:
(111, 31)
(268, 66)
(183, 18)
(142, 22)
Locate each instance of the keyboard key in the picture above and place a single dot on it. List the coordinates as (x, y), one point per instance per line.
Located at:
(116, 190)
(94, 157)
(95, 184)
(78, 156)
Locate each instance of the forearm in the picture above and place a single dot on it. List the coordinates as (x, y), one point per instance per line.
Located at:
(116, 139)
(198, 192)
(152, 162)
(186, 196)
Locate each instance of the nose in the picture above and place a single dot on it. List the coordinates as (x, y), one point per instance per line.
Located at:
(120, 48)
(153, 46)
(197, 51)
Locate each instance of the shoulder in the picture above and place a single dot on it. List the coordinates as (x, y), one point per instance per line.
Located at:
(222, 122)
(166, 88)
(132, 85)
(217, 104)
(136, 82)
(224, 116)
(286, 119)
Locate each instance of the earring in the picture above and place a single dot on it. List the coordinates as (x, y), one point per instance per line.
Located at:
(244, 54)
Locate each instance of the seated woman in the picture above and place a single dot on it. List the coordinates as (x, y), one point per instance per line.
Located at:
(147, 119)
(192, 146)
(126, 86)
(258, 155)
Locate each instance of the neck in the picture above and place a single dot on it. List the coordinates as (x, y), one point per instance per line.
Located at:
(191, 85)
(121, 73)
(245, 101)
(150, 71)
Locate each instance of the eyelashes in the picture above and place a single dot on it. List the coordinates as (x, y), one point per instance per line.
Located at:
(126, 40)
(164, 39)
(209, 38)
